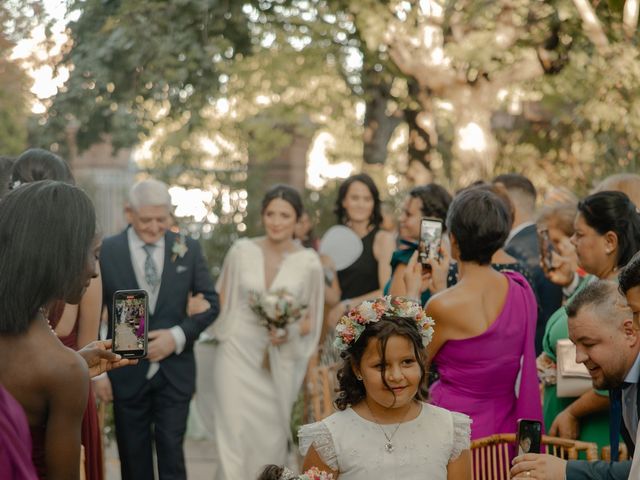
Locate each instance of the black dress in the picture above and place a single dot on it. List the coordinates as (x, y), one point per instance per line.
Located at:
(362, 276)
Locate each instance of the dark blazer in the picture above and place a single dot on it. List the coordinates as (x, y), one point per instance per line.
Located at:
(582, 470)
(180, 278)
(524, 247)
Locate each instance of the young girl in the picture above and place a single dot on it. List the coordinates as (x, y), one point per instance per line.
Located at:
(383, 428)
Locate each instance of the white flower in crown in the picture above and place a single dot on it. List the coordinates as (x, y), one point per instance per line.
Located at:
(366, 311)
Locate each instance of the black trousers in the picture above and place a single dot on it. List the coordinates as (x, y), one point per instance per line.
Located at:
(156, 414)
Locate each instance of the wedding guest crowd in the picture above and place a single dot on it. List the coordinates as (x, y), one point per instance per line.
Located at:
(508, 294)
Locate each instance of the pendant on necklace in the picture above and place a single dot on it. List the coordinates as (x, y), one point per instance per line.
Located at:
(388, 447)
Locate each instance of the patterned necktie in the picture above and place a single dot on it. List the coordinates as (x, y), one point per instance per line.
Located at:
(150, 270)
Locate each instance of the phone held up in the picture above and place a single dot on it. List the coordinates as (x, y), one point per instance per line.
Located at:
(546, 249)
(130, 324)
(430, 239)
(529, 436)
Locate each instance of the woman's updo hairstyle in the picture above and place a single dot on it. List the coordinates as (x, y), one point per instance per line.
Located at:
(480, 223)
(37, 164)
(614, 212)
(351, 390)
(286, 193)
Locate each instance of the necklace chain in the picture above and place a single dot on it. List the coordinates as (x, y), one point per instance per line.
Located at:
(45, 314)
(389, 445)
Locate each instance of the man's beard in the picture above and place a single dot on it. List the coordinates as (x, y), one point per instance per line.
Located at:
(607, 383)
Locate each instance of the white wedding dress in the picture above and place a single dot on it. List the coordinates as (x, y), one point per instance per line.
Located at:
(422, 447)
(246, 407)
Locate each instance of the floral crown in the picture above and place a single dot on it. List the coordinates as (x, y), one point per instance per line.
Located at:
(351, 325)
(312, 474)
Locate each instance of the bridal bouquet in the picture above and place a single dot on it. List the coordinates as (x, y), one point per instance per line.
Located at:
(276, 309)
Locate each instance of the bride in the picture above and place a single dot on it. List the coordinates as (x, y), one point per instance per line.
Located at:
(248, 377)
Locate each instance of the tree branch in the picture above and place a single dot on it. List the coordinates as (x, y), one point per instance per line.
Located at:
(630, 18)
(592, 26)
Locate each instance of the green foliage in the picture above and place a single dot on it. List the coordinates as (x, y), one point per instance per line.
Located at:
(17, 18)
(161, 73)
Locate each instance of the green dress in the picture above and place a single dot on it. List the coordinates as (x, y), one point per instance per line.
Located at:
(593, 428)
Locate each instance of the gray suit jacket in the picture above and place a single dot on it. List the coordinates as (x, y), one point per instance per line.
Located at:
(583, 470)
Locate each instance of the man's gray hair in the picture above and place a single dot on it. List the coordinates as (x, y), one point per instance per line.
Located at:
(149, 193)
(604, 298)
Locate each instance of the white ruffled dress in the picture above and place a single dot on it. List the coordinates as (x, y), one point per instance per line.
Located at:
(422, 447)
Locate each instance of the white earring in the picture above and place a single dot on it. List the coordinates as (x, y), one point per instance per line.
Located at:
(359, 377)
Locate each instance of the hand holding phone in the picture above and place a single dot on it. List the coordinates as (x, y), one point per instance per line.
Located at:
(528, 436)
(430, 239)
(546, 249)
(130, 323)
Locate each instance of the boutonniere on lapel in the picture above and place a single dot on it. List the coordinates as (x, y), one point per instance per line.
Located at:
(179, 248)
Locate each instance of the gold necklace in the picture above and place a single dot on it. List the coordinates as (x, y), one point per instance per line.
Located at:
(388, 446)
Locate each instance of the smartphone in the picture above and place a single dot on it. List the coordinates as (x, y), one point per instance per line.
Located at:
(430, 238)
(529, 436)
(546, 249)
(130, 323)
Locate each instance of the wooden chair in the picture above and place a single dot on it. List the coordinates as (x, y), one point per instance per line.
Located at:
(623, 453)
(320, 390)
(490, 455)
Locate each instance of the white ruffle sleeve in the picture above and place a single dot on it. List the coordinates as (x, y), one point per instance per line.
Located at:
(461, 434)
(318, 435)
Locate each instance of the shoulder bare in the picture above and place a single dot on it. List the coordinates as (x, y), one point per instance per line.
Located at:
(65, 376)
(440, 305)
(384, 238)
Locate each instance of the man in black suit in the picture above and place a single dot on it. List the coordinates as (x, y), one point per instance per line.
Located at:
(522, 244)
(607, 337)
(151, 400)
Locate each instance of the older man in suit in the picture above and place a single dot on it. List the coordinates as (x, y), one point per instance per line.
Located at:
(606, 332)
(151, 400)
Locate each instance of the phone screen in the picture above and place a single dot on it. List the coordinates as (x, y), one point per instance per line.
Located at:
(430, 238)
(529, 436)
(130, 323)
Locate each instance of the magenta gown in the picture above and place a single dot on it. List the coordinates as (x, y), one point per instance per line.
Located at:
(15, 440)
(478, 375)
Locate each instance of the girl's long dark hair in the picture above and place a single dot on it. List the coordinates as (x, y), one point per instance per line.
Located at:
(351, 390)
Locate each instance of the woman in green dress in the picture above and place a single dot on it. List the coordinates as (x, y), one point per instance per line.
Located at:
(607, 234)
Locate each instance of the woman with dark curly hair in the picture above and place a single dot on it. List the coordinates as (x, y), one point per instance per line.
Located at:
(383, 428)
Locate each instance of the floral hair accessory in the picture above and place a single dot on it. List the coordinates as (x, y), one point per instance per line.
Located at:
(312, 474)
(351, 325)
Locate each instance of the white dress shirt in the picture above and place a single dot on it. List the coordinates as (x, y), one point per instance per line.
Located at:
(138, 259)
